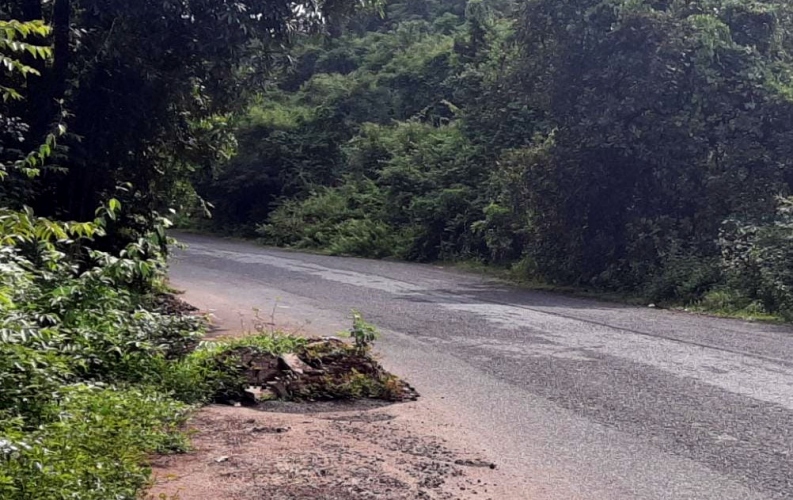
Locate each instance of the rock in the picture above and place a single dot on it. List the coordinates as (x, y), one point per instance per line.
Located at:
(258, 394)
(475, 463)
(651, 306)
(294, 364)
(270, 430)
(263, 374)
(325, 341)
(222, 459)
(279, 388)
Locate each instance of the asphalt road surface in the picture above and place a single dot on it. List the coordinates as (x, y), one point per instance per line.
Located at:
(575, 398)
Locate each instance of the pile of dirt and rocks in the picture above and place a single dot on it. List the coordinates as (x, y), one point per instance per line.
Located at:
(322, 369)
(168, 303)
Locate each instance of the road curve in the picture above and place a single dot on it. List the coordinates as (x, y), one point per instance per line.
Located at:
(577, 399)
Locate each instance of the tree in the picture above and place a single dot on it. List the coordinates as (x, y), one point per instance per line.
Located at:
(14, 50)
(143, 84)
(667, 118)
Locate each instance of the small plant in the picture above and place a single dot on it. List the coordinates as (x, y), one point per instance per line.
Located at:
(362, 332)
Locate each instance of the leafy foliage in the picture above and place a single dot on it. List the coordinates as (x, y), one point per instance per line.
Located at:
(418, 205)
(756, 261)
(146, 90)
(15, 51)
(79, 341)
(13, 45)
(93, 444)
(667, 120)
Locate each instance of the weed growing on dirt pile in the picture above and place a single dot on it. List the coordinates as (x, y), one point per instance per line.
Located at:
(271, 366)
(215, 371)
(343, 371)
(363, 332)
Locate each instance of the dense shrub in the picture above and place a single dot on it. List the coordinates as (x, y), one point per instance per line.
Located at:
(346, 221)
(757, 260)
(60, 325)
(82, 341)
(412, 193)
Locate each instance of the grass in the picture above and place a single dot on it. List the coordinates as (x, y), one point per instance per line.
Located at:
(93, 446)
(718, 303)
(727, 304)
(275, 344)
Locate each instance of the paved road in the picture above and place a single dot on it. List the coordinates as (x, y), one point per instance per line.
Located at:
(577, 398)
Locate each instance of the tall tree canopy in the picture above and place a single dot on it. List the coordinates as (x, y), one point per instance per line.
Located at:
(667, 118)
(144, 89)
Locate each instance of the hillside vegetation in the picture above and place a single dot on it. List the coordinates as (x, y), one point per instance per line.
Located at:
(639, 147)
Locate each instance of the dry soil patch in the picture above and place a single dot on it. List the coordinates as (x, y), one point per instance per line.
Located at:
(332, 451)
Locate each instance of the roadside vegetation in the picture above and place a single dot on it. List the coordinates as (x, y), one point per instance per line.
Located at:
(632, 148)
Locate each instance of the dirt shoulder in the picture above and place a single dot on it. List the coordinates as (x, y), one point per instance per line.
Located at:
(319, 451)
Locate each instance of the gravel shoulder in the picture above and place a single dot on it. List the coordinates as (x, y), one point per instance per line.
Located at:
(334, 452)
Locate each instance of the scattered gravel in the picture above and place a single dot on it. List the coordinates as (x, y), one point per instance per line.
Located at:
(351, 453)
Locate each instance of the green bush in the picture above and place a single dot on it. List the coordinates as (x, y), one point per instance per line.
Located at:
(81, 343)
(366, 237)
(347, 220)
(730, 302)
(420, 204)
(59, 326)
(757, 257)
(683, 278)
